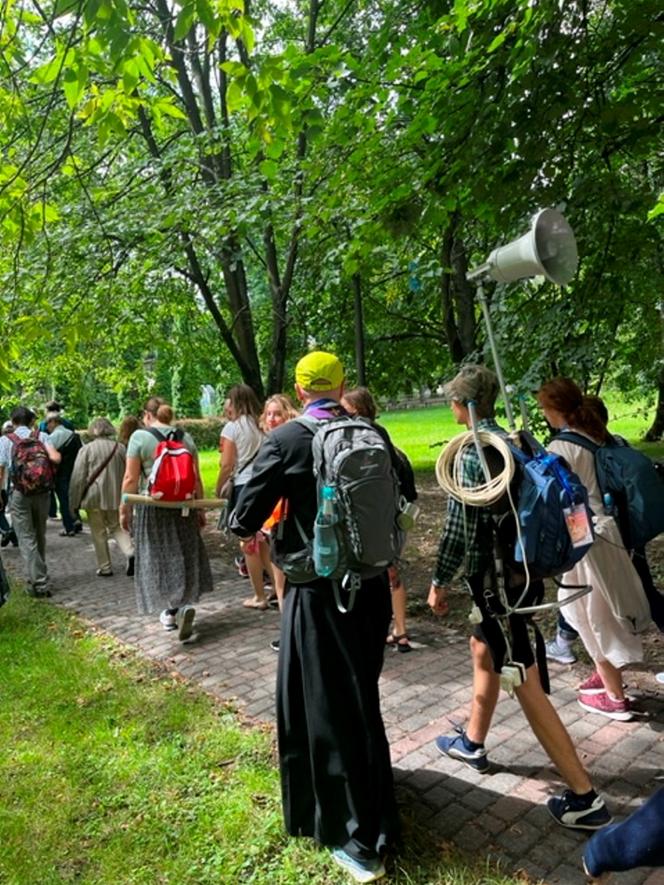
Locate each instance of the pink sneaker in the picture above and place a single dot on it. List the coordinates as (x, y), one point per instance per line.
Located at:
(606, 706)
(592, 685)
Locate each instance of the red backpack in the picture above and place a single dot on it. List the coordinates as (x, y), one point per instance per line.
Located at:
(173, 474)
(32, 471)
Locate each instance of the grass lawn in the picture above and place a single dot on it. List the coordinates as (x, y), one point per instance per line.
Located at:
(421, 434)
(115, 771)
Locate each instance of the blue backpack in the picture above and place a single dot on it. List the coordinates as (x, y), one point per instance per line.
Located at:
(544, 487)
(634, 484)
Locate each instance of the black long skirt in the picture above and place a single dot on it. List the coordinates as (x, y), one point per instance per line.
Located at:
(336, 774)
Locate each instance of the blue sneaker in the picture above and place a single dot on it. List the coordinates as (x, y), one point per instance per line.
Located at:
(579, 812)
(457, 748)
(360, 870)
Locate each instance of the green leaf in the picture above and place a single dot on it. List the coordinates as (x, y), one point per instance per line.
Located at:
(167, 106)
(498, 41)
(269, 169)
(234, 97)
(658, 209)
(184, 22)
(47, 72)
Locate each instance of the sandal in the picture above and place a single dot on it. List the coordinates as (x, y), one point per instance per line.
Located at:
(255, 603)
(400, 641)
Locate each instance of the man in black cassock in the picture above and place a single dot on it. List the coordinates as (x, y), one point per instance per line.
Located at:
(334, 757)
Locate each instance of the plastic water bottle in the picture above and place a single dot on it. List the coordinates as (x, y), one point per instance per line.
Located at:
(608, 503)
(326, 548)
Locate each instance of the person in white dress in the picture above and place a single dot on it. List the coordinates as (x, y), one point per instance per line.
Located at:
(610, 617)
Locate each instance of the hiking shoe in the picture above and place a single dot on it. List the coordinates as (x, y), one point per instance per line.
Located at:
(167, 620)
(606, 706)
(184, 620)
(559, 653)
(458, 748)
(592, 685)
(274, 645)
(586, 812)
(360, 870)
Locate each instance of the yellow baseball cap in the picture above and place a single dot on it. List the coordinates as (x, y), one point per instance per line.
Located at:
(319, 371)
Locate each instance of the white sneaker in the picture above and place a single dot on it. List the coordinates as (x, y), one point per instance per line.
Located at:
(361, 871)
(559, 653)
(167, 620)
(184, 620)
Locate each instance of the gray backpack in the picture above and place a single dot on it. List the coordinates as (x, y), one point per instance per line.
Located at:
(353, 459)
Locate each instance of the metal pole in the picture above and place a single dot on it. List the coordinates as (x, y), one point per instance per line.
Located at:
(472, 414)
(494, 352)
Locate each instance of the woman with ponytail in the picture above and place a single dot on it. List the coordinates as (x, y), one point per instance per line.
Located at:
(616, 609)
(171, 568)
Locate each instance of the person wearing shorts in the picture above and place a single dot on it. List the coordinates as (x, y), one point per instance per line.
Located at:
(468, 541)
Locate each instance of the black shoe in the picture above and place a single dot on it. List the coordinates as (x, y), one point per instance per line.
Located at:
(5, 539)
(130, 566)
(38, 593)
(274, 645)
(587, 812)
(78, 528)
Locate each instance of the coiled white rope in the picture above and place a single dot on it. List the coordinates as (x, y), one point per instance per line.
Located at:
(449, 472)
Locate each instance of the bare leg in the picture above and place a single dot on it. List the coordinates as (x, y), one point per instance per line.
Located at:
(486, 688)
(255, 569)
(264, 552)
(551, 733)
(399, 608)
(612, 679)
(279, 584)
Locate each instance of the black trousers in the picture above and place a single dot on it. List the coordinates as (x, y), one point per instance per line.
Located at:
(336, 774)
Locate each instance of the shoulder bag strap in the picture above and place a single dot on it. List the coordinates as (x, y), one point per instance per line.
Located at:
(158, 435)
(578, 439)
(98, 472)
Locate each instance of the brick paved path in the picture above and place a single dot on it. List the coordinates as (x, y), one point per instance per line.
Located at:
(500, 814)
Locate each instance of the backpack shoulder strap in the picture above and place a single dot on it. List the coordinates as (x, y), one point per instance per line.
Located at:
(158, 435)
(578, 439)
(310, 423)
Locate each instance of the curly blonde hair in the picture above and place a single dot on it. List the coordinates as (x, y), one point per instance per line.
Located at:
(284, 404)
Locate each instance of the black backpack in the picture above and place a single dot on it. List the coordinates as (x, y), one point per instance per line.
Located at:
(634, 483)
(68, 452)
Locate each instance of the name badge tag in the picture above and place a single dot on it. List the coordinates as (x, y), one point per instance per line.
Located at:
(578, 525)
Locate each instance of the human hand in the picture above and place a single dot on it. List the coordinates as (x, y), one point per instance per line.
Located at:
(438, 600)
(125, 517)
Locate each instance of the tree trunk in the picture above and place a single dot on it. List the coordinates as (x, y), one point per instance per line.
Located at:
(457, 295)
(657, 430)
(360, 362)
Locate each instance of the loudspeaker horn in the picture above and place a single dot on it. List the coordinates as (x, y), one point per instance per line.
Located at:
(548, 249)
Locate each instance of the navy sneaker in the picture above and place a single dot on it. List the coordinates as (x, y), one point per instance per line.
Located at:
(587, 812)
(360, 870)
(458, 747)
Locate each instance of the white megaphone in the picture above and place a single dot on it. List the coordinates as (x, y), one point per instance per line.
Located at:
(548, 249)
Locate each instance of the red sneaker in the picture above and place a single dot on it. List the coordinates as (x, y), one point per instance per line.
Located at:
(606, 706)
(592, 685)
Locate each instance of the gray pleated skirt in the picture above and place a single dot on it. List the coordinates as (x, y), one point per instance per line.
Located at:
(172, 567)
